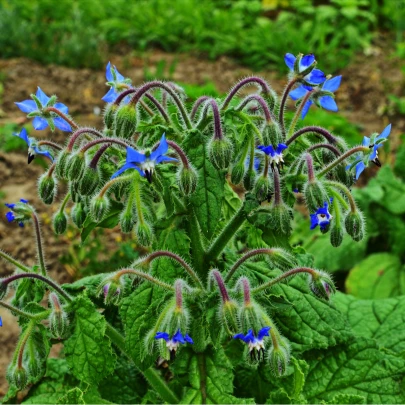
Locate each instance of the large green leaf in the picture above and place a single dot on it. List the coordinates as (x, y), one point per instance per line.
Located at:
(88, 351)
(382, 319)
(359, 368)
(207, 198)
(380, 275)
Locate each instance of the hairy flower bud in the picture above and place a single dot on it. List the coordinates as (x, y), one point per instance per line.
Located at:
(111, 289)
(279, 357)
(74, 191)
(280, 217)
(109, 113)
(89, 181)
(220, 152)
(250, 317)
(60, 222)
(47, 188)
(58, 323)
(78, 214)
(355, 226)
(187, 179)
(127, 220)
(125, 121)
(18, 376)
(282, 259)
(249, 180)
(144, 233)
(336, 234)
(262, 188)
(272, 134)
(238, 173)
(99, 207)
(228, 314)
(75, 166)
(322, 285)
(61, 164)
(315, 195)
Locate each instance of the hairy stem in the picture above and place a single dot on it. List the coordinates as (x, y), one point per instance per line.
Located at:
(41, 315)
(298, 113)
(346, 192)
(180, 152)
(104, 140)
(262, 103)
(79, 133)
(51, 144)
(197, 105)
(144, 276)
(283, 102)
(332, 148)
(62, 115)
(318, 130)
(38, 239)
(14, 262)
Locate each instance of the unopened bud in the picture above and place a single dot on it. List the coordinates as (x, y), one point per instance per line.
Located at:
(111, 289)
(249, 180)
(322, 285)
(47, 188)
(279, 357)
(61, 164)
(109, 113)
(60, 222)
(127, 220)
(75, 195)
(238, 173)
(262, 188)
(280, 217)
(58, 323)
(315, 195)
(99, 207)
(282, 259)
(250, 317)
(355, 226)
(78, 214)
(89, 181)
(125, 121)
(272, 134)
(75, 166)
(144, 233)
(18, 376)
(336, 234)
(220, 152)
(228, 313)
(187, 178)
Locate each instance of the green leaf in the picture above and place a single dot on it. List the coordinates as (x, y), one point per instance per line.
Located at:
(88, 350)
(382, 319)
(73, 396)
(89, 284)
(208, 196)
(359, 368)
(380, 275)
(231, 202)
(347, 399)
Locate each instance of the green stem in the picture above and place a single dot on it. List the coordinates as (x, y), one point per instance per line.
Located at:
(145, 276)
(284, 97)
(281, 277)
(138, 199)
(197, 247)
(11, 260)
(298, 113)
(339, 197)
(346, 192)
(338, 213)
(64, 202)
(341, 158)
(112, 182)
(40, 316)
(39, 244)
(19, 351)
(203, 376)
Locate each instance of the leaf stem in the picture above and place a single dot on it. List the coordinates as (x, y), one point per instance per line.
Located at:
(145, 276)
(286, 92)
(38, 238)
(13, 261)
(62, 115)
(346, 192)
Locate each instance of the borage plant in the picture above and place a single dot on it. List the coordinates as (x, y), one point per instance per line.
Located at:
(205, 314)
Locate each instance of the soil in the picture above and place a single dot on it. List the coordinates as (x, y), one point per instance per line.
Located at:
(362, 98)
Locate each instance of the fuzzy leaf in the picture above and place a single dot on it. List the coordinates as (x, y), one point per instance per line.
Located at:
(88, 351)
(73, 396)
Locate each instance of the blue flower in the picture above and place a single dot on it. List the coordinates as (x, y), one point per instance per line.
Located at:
(325, 101)
(373, 156)
(117, 82)
(173, 343)
(32, 146)
(322, 217)
(315, 76)
(41, 120)
(254, 343)
(11, 214)
(276, 155)
(145, 163)
(1, 321)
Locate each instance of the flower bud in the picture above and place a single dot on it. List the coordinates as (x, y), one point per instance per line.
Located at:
(336, 234)
(74, 191)
(111, 289)
(78, 214)
(250, 317)
(125, 121)
(315, 195)
(262, 188)
(58, 323)
(99, 207)
(238, 173)
(127, 220)
(220, 152)
(322, 285)
(18, 376)
(187, 179)
(279, 357)
(144, 233)
(228, 313)
(60, 222)
(109, 113)
(249, 179)
(75, 166)
(282, 259)
(34, 366)
(61, 164)
(280, 217)
(47, 188)
(272, 134)
(89, 181)
(355, 226)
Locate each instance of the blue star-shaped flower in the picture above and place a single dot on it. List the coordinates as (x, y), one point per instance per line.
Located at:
(117, 82)
(325, 101)
(322, 217)
(11, 214)
(254, 343)
(373, 156)
(316, 76)
(275, 154)
(145, 163)
(173, 343)
(39, 122)
(32, 146)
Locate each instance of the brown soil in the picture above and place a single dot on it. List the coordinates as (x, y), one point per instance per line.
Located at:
(362, 98)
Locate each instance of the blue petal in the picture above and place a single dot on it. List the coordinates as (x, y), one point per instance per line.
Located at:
(1, 321)
(161, 149)
(366, 141)
(314, 221)
(24, 135)
(62, 124)
(268, 150)
(316, 77)
(188, 339)
(62, 107)
(289, 59)
(11, 206)
(43, 152)
(306, 108)
(10, 216)
(161, 159)
(127, 166)
(332, 84)
(162, 335)
(120, 77)
(240, 336)
(306, 61)
(21, 224)
(250, 337)
(373, 154)
(384, 134)
(298, 93)
(39, 123)
(281, 147)
(23, 200)
(134, 157)
(178, 337)
(359, 169)
(263, 332)
(43, 98)
(27, 106)
(108, 75)
(111, 96)
(328, 103)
